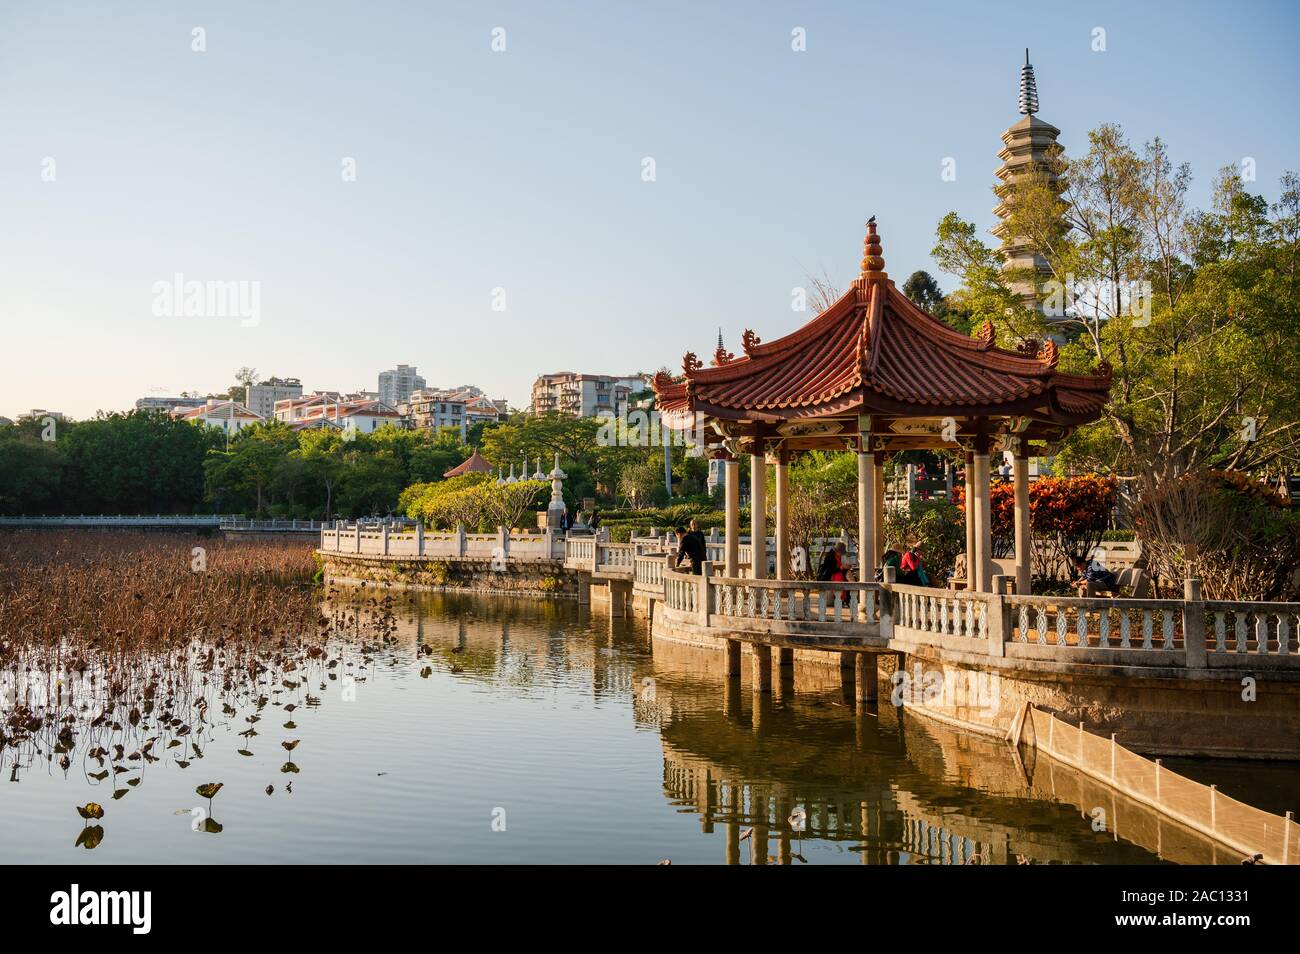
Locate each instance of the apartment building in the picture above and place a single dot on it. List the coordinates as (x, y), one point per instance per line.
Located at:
(261, 398)
(397, 386)
(584, 395)
(433, 409)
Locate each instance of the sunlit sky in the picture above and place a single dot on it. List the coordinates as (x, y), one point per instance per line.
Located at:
(522, 171)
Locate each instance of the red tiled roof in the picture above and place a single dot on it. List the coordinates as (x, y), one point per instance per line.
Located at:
(874, 351)
(474, 464)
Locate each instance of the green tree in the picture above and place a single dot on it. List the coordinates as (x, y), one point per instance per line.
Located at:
(30, 474)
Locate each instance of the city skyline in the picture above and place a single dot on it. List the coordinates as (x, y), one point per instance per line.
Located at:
(505, 178)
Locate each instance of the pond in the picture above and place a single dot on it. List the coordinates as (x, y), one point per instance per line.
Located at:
(472, 729)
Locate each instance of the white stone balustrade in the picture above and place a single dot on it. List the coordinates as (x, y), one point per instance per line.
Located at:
(457, 544)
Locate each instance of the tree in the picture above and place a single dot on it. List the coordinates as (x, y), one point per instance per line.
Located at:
(252, 464)
(322, 451)
(1195, 311)
(641, 479)
(30, 474)
(925, 292)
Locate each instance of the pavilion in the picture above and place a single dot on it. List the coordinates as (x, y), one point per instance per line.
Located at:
(474, 464)
(875, 374)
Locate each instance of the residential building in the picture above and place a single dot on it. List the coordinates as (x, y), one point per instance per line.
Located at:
(230, 416)
(363, 414)
(397, 386)
(168, 404)
(262, 398)
(36, 413)
(433, 409)
(584, 395)
(293, 409)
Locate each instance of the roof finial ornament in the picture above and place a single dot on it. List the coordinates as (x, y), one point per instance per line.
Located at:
(1028, 88)
(873, 261)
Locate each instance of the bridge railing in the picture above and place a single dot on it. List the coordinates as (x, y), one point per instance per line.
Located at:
(839, 609)
(921, 612)
(304, 526)
(794, 601)
(137, 520)
(1090, 623)
(648, 572)
(616, 557)
(1187, 633)
(1269, 629)
(456, 544)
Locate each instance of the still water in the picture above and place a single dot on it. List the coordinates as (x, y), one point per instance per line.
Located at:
(481, 730)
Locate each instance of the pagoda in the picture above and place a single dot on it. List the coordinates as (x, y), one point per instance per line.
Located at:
(1028, 148)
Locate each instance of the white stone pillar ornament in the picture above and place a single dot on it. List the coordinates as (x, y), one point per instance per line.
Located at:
(555, 509)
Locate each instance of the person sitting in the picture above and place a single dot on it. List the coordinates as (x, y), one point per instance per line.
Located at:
(912, 567)
(835, 567)
(1093, 575)
(892, 558)
(691, 546)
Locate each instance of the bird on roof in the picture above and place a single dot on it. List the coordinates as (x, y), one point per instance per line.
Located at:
(871, 221)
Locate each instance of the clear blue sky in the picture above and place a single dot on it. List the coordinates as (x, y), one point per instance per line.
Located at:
(522, 170)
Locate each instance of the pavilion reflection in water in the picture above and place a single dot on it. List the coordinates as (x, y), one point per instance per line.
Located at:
(893, 788)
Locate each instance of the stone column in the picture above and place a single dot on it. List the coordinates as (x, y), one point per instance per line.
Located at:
(865, 674)
(880, 505)
(732, 670)
(732, 562)
(760, 658)
(782, 517)
(983, 523)
(867, 556)
(1024, 538)
(758, 514)
(970, 520)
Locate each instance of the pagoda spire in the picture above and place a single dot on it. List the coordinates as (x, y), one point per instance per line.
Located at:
(1028, 88)
(721, 356)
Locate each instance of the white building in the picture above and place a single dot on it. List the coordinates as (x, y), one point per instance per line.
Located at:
(433, 409)
(168, 404)
(584, 395)
(397, 386)
(230, 416)
(262, 398)
(363, 415)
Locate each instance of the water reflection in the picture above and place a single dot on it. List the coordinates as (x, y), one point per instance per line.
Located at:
(581, 738)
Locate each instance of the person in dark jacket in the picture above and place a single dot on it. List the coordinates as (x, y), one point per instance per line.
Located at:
(691, 546)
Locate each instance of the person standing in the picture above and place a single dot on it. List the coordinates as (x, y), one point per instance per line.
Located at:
(691, 546)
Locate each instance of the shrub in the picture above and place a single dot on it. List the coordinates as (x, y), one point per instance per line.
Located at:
(1068, 516)
(939, 527)
(1233, 533)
